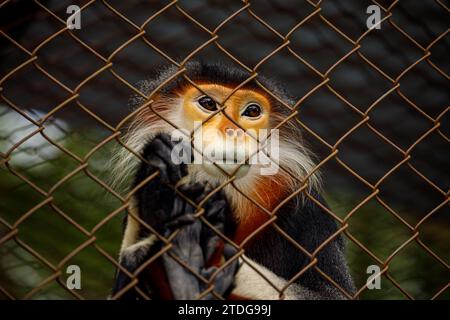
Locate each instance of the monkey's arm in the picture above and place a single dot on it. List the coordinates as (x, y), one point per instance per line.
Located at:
(160, 207)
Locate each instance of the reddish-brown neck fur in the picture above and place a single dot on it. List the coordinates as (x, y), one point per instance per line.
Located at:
(268, 193)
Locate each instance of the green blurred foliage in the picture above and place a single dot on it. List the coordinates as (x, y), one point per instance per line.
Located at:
(81, 199)
(86, 202)
(411, 268)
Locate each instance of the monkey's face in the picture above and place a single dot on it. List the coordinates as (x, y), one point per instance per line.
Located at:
(219, 111)
(225, 124)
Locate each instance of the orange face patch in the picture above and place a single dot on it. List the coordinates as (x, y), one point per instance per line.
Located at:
(235, 107)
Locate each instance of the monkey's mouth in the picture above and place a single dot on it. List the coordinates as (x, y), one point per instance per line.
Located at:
(238, 170)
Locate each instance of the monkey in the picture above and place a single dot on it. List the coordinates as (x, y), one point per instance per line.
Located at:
(233, 232)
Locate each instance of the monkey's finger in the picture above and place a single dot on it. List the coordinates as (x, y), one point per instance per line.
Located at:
(229, 251)
(152, 147)
(182, 206)
(206, 191)
(192, 190)
(167, 141)
(183, 284)
(165, 153)
(143, 172)
(210, 240)
(180, 221)
(207, 273)
(186, 146)
(181, 214)
(157, 148)
(215, 214)
(178, 208)
(215, 211)
(159, 164)
(224, 280)
(216, 199)
(186, 245)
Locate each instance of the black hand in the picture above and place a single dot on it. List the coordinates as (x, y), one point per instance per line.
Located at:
(194, 244)
(218, 214)
(155, 199)
(184, 283)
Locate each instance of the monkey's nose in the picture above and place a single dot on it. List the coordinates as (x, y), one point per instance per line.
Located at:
(234, 132)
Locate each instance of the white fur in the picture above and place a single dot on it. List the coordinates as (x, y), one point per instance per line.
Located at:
(256, 282)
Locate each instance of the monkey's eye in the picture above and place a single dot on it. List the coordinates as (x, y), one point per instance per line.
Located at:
(252, 111)
(207, 103)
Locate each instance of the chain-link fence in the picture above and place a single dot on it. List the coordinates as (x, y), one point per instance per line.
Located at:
(372, 104)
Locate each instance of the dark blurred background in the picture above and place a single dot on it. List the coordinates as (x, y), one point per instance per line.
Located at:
(399, 77)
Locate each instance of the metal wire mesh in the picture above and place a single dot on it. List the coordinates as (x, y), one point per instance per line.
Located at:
(52, 73)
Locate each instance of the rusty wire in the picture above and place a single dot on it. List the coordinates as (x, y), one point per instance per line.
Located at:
(139, 34)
